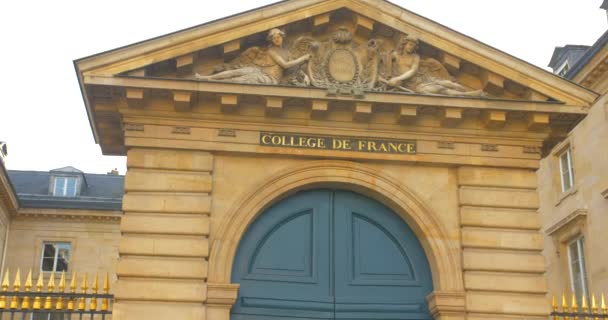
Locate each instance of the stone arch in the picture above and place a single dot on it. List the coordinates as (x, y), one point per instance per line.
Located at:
(442, 256)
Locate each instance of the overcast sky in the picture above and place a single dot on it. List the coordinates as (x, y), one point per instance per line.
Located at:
(43, 118)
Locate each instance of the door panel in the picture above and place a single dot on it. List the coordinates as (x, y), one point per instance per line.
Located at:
(327, 254)
(381, 271)
(283, 262)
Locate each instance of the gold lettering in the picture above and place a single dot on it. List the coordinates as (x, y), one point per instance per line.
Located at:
(410, 148)
(383, 147)
(372, 146)
(265, 139)
(360, 145)
(347, 145)
(322, 143)
(336, 144)
(276, 140)
(393, 147)
(311, 142)
(402, 147)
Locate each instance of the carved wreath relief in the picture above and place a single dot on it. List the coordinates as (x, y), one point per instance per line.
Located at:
(341, 65)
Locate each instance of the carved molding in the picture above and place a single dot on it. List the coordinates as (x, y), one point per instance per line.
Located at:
(134, 127)
(445, 145)
(222, 294)
(489, 147)
(181, 130)
(567, 228)
(447, 304)
(572, 218)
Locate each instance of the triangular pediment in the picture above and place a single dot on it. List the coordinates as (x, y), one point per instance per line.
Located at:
(206, 48)
(333, 51)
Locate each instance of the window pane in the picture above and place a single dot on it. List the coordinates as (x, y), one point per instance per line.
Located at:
(47, 264)
(55, 257)
(70, 190)
(49, 250)
(63, 258)
(566, 170)
(59, 189)
(577, 268)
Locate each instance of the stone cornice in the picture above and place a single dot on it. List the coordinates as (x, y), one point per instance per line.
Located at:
(7, 193)
(69, 214)
(573, 218)
(321, 94)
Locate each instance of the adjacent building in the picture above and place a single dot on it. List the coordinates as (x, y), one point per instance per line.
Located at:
(60, 221)
(573, 184)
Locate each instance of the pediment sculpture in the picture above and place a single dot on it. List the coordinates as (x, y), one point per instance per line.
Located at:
(341, 65)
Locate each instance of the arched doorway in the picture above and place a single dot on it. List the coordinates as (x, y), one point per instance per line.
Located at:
(330, 254)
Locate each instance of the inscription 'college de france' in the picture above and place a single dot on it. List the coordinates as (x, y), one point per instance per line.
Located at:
(286, 140)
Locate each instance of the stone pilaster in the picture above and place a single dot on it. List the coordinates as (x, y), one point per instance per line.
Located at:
(502, 244)
(164, 244)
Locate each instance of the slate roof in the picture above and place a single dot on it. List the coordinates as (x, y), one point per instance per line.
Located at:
(586, 58)
(572, 52)
(100, 192)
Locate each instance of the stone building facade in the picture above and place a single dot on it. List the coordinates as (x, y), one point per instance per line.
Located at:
(61, 221)
(228, 125)
(321, 159)
(574, 194)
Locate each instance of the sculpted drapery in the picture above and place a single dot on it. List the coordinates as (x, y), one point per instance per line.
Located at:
(339, 63)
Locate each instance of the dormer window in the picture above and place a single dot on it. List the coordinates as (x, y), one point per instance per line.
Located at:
(565, 67)
(65, 186)
(66, 182)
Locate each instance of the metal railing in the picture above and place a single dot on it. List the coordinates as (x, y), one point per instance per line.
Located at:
(30, 302)
(572, 310)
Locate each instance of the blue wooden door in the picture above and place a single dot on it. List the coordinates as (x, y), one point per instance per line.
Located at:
(327, 254)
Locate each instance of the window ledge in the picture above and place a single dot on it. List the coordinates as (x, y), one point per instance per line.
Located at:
(566, 194)
(605, 193)
(567, 222)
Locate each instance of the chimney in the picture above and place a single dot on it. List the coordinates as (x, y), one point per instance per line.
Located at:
(605, 7)
(113, 172)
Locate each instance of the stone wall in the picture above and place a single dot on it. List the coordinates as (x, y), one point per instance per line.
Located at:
(185, 212)
(94, 244)
(581, 211)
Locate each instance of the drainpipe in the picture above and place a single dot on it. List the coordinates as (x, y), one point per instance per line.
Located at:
(5, 247)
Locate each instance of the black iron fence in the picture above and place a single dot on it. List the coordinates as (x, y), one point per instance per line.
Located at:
(576, 311)
(56, 301)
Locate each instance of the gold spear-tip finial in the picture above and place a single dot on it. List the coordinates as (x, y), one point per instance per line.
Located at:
(28, 281)
(48, 302)
(37, 299)
(17, 282)
(105, 302)
(51, 284)
(6, 281)
(16, 287)
(95, 288)
(82, 301)
(73, 283)
(62, 282)
(585, 307)
(25, 303)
